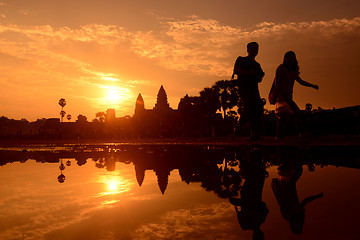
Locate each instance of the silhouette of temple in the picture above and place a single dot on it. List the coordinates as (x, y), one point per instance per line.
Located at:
(161, 105)
(195, 116)
(161, 121)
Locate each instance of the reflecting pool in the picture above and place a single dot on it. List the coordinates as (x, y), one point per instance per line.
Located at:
(111, 191)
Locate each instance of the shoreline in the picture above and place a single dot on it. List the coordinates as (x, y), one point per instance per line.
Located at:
(332, 140)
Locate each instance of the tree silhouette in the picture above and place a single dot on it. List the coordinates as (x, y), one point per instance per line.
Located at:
(62, 114)
(228, 95)
(210, 103)
(100, 116)
(62, 103)
(308, 107)
(68, 117)
(81, 119)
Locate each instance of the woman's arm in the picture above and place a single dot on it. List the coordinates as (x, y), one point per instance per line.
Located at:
(311, 198)
(304, 83)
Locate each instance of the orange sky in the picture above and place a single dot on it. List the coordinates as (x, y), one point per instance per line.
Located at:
(101, 54)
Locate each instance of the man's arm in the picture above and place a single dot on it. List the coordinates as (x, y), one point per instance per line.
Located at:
(260, 74)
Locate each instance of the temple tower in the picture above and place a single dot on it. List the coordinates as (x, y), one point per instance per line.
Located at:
(139, 105)
(162, 101)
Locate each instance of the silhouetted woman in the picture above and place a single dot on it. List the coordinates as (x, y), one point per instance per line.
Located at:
(286, 75)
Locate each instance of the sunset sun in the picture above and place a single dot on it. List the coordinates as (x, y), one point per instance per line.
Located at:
(113, 95)
(179, 119)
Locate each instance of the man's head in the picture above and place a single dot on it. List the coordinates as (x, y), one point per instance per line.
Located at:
(252, 49)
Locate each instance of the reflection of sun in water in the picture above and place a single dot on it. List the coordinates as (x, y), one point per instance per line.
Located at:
(114, 184)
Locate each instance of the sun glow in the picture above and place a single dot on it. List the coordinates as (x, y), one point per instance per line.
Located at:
(113, 95)
(113, 186)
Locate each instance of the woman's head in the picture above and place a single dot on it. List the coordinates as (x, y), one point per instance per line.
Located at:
(290, 61)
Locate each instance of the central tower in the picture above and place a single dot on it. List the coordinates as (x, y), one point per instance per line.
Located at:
(162, 101)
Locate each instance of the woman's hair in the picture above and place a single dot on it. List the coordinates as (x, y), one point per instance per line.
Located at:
(293, 66)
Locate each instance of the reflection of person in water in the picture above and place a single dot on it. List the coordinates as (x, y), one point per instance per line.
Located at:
(253, 210)
(286, 195)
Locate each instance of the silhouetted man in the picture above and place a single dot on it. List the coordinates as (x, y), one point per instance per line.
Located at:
(249, 74)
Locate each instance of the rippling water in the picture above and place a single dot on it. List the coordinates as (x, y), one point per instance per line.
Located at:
(110, 191)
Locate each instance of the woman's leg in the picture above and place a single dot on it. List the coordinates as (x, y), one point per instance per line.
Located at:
(297, 116)
(280, 127)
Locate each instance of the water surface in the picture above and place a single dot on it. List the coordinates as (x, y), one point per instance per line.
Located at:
(179, 192)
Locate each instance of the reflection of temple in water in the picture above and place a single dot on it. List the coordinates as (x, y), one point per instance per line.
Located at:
(161, 173)
(194, 163)
(160, 161)
(235, 174)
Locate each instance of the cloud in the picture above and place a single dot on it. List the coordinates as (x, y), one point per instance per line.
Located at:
(322, 28)
(24, 12)
(47, 59)
(61, 60)
(201, 45)
(213, 221)
(197, 45)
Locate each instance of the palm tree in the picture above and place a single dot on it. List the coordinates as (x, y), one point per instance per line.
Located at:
(228, 95)
(62, 114)
(68, 117)
(62, 103)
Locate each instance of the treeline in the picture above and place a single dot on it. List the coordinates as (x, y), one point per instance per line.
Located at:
(215, 112)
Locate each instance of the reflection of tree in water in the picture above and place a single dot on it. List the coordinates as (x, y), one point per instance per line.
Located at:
(61, 177)
(217, 169)
(224, 181)
(237, 174)
(108, 163)
(194, 165)
(81, 160)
